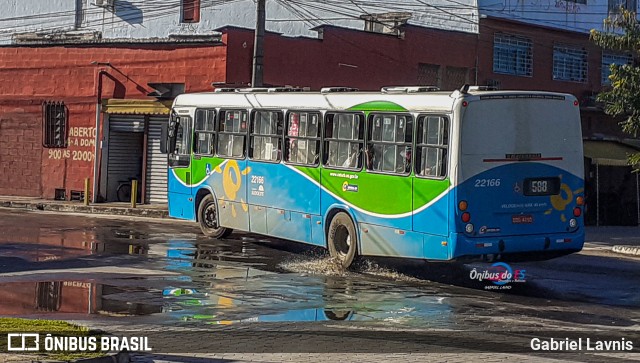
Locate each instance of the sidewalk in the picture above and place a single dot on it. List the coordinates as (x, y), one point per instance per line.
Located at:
(618, 239)
(120, 209)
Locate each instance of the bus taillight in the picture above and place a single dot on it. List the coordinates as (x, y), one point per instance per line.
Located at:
(466, 217)
(580, 200)
(577, 211)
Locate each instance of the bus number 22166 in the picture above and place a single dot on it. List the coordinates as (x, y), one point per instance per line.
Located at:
(484, 183)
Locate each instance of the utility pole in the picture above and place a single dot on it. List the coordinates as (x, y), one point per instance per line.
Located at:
(258, 46)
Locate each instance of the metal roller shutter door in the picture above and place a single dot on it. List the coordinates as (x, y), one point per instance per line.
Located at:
(125, 151)
(156, 188)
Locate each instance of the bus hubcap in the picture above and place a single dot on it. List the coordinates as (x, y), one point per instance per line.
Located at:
(210, 217)
(343, 241)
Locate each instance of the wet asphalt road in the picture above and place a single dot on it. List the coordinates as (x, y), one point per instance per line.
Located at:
(100, 269)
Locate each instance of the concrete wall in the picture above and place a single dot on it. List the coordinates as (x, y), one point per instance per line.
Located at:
(560, 14)
(145, 19)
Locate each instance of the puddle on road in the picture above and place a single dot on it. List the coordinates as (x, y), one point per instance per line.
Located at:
(237, 281)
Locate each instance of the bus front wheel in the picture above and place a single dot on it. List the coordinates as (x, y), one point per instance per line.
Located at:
(208, 218)
(342, 239)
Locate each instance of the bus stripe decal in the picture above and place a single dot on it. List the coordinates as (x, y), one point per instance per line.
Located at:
(394, 216)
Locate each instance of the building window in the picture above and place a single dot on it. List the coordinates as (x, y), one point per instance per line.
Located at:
(344, 139)
(512, 55)
(266, 136)
(431, 146)
(190, 11)
(386, 23)
(569, 64)
(455, 77)
(232, 133)
(204, 132)
(615, 5)
(55, 121)
(389, 143)
(302, 140)
(48, 296)
(609, 58)
(428, 74)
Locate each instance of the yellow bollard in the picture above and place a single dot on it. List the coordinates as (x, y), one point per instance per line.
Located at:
(134, 193)
(86, 191)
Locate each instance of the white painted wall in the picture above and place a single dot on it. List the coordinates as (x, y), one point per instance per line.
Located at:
(28, 15)
(561, 14)
(142, 19)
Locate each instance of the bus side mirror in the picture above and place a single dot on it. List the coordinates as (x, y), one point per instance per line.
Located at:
(163, 139)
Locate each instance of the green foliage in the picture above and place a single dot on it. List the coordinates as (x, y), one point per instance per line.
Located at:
(623, 97)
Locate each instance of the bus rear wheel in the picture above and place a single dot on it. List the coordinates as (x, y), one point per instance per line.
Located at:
(342, 239)
(208, 218)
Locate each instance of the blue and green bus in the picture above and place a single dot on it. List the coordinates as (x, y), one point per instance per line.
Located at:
(405, 172)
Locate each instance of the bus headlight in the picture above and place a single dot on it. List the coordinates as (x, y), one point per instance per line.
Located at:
(573, 223)
(468, 228)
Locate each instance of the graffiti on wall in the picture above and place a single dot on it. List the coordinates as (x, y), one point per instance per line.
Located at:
(564, 5)
(82, 141)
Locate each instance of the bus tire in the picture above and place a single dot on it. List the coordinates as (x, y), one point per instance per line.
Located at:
(342, 239)
(208, 219)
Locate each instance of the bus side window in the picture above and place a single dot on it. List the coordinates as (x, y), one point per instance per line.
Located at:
(204, 132)
(302, 139)
(432, 146)
(344, 140)
(266, 136)
(389, 143)
(232, 133)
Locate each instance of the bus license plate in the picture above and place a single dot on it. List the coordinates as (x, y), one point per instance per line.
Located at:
(522, 219)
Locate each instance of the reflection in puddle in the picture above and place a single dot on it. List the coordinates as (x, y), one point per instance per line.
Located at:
(71, 297)
(218, 282)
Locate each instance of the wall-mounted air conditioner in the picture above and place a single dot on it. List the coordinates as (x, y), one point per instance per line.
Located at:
(104, 3)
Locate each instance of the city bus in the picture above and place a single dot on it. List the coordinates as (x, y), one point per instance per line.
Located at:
(407, 172)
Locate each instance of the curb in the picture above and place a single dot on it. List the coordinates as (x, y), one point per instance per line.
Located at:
(626, 250)
(92, 209)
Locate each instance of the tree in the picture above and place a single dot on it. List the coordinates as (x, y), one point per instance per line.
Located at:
(623, 97)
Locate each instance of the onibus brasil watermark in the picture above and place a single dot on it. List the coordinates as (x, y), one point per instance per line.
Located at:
(34, 342)
(500, 274)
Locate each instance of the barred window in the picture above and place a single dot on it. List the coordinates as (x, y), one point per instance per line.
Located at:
(432, 146)
(55, 123)
(569, 64)
(204, 132)
(389, 143)
(615, 5)
(266, 136)
(48, 296)
(232, 133)
(512, 55)
(302, 140)
(344, 140)
(609, 58)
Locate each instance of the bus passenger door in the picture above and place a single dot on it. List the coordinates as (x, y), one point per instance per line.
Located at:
(233, 208)
(179, 141)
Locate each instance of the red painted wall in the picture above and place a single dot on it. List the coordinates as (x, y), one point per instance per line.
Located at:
(31, 75)
(347, 57)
